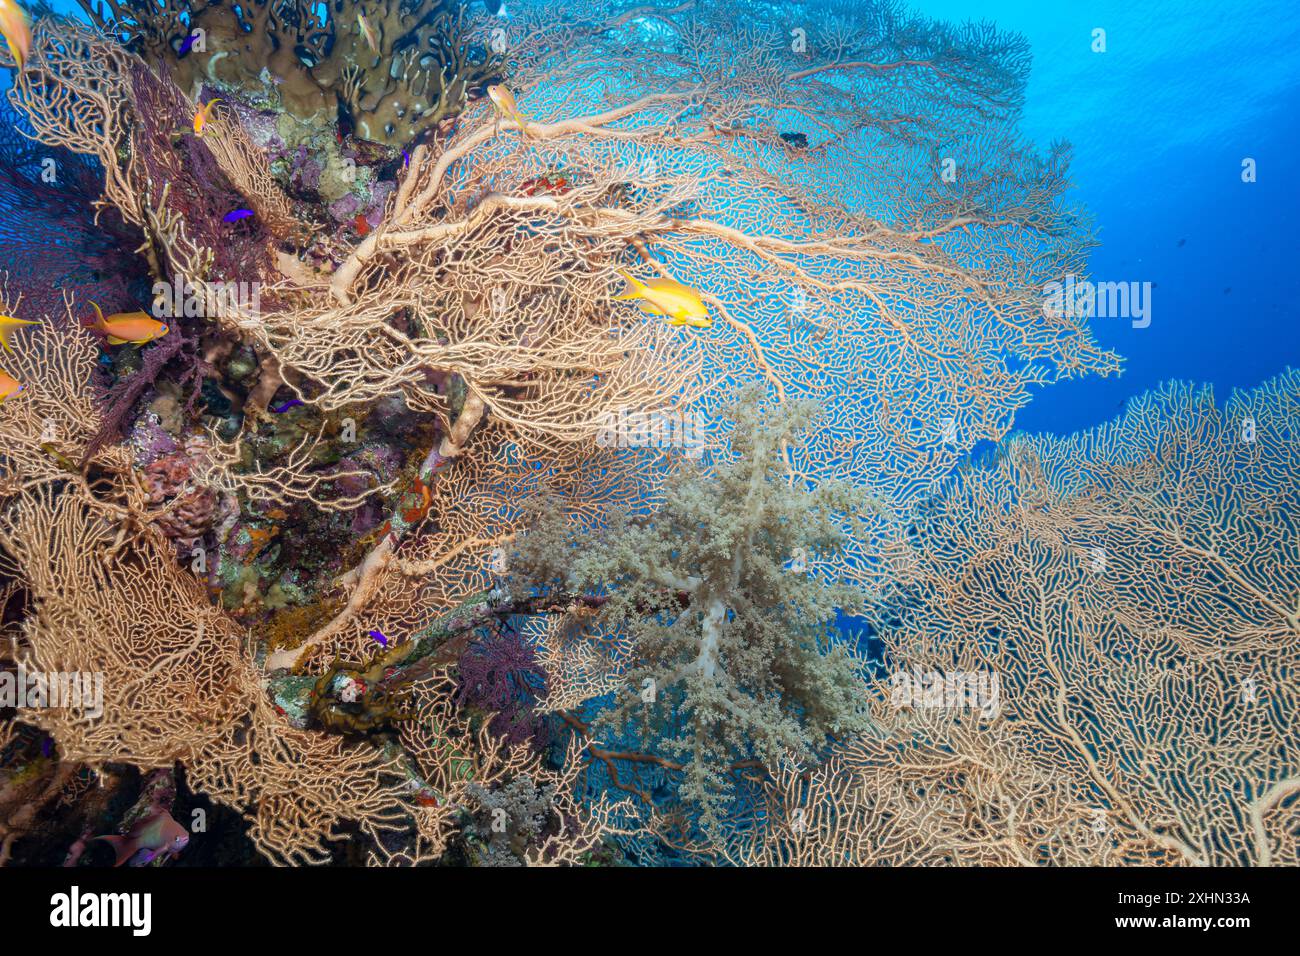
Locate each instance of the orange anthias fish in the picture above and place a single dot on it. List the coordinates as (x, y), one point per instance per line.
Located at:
(134, 327)
(156, 834)
(18, 34)
(361, 224)
(680, 304)
(505, 103)
(203, 116)
(7, 326)
(8, 385)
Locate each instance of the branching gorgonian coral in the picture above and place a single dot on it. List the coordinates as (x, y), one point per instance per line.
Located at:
(1134, 593)
(842, 185)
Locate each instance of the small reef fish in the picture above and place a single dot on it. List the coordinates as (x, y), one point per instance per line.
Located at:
(361, 224)
(17, 31)
(285, 406)
(187, 43)
(368, 32)
(406, 158)
(680, 304)
(203, 116)
(156, 834)
(8, 385)
(795, 140)
(8, 324)
(134, 327)
(236, 215)
(62, 460)
(380, 637)
(505, 103)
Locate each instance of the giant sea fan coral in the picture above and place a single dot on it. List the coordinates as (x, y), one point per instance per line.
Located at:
(484, 302)
(1134, 591)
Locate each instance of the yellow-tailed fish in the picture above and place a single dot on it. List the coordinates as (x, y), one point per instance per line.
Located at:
(134, 327)
(680, 304)
(368, 32)
(17, 32)
(8, 385)
(62, 460)
(203, 116)
(505, 103)
(7, 326)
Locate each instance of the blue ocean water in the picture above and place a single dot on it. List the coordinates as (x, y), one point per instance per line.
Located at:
(1161, 123)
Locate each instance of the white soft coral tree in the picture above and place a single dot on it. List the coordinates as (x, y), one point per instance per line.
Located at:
(724, 627)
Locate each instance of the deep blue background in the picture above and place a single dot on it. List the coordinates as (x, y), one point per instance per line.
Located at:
(1160, 124)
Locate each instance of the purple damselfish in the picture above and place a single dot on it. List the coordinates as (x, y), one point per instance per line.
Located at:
(236, 215)
(286, 406)
(379, 636)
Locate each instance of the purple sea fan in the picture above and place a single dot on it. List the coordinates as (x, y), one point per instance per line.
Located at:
(197, 188)
(47, 223)
(501, 674)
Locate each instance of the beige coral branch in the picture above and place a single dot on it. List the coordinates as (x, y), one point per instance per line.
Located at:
(246, 168)
(365, 580)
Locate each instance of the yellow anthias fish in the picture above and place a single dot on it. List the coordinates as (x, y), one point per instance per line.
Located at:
(8, 385)
(7, 326)
(134, 327)
(368, 32)
(505, 103)
(18, 34)
(203, 116)
(681, 304)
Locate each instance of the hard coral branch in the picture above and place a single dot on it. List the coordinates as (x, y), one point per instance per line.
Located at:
(425, 70)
